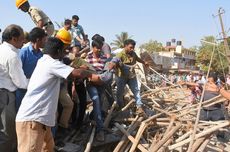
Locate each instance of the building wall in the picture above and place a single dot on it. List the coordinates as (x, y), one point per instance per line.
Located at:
(169, 60)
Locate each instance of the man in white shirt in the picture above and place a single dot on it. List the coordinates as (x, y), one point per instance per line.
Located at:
(11, 78)
(37, 112)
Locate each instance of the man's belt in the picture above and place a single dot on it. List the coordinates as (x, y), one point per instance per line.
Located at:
(3, 89)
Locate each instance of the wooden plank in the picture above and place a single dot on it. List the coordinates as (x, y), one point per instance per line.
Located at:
(138, 136)
(165, 138)
(139, 146)
(89, 144)
(109, 116)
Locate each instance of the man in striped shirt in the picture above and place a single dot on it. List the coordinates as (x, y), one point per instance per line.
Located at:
(98, 61)
(96, 58)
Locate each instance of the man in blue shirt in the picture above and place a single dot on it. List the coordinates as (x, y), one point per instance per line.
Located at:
(29, 56)
(77, 32)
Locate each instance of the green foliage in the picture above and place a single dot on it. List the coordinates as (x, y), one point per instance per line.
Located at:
(204, 54)
(119, 41)
(152, 46)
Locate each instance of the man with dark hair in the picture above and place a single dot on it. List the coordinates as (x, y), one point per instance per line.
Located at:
(105, 48)
(11, 78)
(37, 112)
(76, 32)
(214, 112)
(97, 59)
(67, 24)
(38, 16)
(125, 74)
(29, 56)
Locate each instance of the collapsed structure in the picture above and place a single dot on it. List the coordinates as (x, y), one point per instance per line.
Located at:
(167, 125)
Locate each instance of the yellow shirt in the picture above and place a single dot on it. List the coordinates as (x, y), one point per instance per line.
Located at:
(127, 59)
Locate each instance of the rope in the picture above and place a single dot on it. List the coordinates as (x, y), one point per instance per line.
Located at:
(200, 104)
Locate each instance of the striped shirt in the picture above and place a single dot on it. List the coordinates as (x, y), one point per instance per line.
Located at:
(97, 63)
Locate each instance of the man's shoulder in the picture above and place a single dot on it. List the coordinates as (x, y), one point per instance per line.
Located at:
(36, 11)
(122, 54)
(33, 9)
(7, 51)
(106, 47)
(25, 49)
(79, 26)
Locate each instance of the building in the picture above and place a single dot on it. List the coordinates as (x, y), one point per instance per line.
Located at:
(175, 57)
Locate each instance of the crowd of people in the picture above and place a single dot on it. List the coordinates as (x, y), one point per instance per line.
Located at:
(46, 76)
(213, 86)
(43, 74)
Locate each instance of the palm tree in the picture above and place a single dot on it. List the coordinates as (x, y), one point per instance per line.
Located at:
(119, 42)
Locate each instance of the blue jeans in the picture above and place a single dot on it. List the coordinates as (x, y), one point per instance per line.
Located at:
(20, 93)
(95, 93)
(133, 85)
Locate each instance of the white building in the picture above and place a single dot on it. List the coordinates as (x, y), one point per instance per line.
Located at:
(175, 57)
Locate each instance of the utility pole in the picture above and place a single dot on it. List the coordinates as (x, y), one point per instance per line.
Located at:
(220, 12)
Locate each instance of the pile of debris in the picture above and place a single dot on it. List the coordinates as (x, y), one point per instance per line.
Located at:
(167, 125)
(171, 127)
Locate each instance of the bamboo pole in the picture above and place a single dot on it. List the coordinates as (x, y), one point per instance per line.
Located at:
(128, 105)
(201, 134)
(203, 146)
(187, 134)
(138, 136)
(109, 116)
(216, 149)
(196, 105)
(139, 146)
(165, 138)
(170, 125)
(132, 127)
(163, 148)
(90, 142)
(155, 140)
(198, 143)
(160, 110)
(215, 102)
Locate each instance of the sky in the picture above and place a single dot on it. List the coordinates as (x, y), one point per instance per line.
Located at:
(161, 20)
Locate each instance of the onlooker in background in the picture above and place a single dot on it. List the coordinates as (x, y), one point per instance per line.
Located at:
(29, 56)
(11, 78)
(214, 112)
(77, 32)
(38, 16)
(87, 41)
(228, 80)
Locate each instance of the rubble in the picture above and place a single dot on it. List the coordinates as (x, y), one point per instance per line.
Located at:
(167, 125)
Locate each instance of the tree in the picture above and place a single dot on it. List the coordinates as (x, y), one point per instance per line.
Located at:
(120, 39)
(152, 46)
(204, 54)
